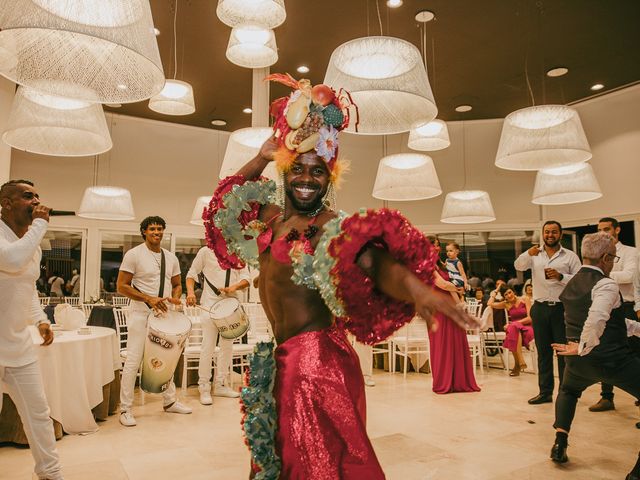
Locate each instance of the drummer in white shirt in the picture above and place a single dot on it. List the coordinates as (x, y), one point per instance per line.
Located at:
(227, 282)
(139, 279)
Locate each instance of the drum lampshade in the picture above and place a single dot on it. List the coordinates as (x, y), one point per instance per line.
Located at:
(387, 81)
(176, 98)
(429, 137)
(467, 206)
(564, 185)
(243, 145)
(265, 13)
(196, 215)
(467, 239)
(50, 125)
(507, 235)
(405, 177)
(101, 51)
(106, 203)
(251, 46)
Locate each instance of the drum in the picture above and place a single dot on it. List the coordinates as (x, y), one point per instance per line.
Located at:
(230, 318)
(166, 336)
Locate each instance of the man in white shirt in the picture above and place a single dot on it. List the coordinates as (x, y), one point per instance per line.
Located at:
(597, 349)
(56, 284)
(23, 224)
(552, 266)
(74, 283)
(622, 273)
(227, 283)
(139, 279)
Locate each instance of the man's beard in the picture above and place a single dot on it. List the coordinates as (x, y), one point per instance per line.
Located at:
(552, 245)
(311, 205)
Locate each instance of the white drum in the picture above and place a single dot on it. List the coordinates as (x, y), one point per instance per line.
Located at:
(230, 318)
(166, 336)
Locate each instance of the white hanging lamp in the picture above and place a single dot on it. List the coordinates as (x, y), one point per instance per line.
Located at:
(176, 98)
(540, 137)
(196, 215)
(50, 125)
(95, 50)
(252, 46)
(106, 203)
(507, 235)
(467, 206)
(429, 137)
(563, 185)
(243, 145)
(406, 176)
(387, 81)
(466, 239)
(266, 13)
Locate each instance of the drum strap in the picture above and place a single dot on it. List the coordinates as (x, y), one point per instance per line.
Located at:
(163, 270)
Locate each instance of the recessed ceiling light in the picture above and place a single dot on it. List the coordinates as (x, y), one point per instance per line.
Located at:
(424, 16)
(156, 31)
(113, 105)
(463, 108)
(394, 3)
(303, 69)
(557, 72)
(247, 110)
(218, 122)
(597, 86)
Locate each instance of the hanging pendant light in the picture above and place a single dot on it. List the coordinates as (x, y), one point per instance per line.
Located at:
(106, 203)
(266, 13)
(196, 215)
(429, 137)
(508, 235)
(406, 176)
(564, 185)
(387, 81)
(176, 98)
(540, 137)
(243, 145)
(94, 50)
(252, 46)
(467, 239)
(467, 206)
(50, 125)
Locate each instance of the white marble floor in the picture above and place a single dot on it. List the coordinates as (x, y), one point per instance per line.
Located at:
(493, 435)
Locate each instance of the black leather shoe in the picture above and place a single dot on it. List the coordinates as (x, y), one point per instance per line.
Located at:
(559, 453)
(638, 425)
(538, 399)
(603, 405)
(632, 476)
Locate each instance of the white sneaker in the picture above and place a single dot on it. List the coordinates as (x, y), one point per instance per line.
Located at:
(369, 382)
(205, 394)
(127, 419)
(178, 407)
(224, 391)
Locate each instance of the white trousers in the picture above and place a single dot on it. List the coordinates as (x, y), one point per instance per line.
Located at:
(365, 354)
(209, 335)
(136, 335)
(24, 386)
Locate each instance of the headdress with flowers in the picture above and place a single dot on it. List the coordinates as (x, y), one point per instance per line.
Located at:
(310, 119)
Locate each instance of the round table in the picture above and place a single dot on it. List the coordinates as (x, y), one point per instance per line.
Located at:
(102, 316)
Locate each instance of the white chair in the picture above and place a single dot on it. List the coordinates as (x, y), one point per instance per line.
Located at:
(259, 325)
(120, 315)
(120, 301)
(492, 339)
(239, 358)
(411, 339)
(474, 337)
(86, 308)
(73, 301)
(193, 348)
(44, 301)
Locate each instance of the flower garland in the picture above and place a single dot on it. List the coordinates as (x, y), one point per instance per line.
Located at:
(259, 420)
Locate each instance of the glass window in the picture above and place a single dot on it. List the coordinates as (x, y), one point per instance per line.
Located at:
(60, 265)
(186, 250)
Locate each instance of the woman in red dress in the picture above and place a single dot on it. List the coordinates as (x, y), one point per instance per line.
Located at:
(451, 365)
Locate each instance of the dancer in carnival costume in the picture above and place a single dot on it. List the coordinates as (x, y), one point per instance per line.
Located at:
(321, 272)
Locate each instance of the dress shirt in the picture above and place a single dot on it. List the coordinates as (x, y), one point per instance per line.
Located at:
(207, 263)
(636, 287)
(624, 271)
(548, 290)
(605, 296)
(19, 304)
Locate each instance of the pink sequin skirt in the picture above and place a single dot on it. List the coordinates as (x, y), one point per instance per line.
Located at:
(319, 393)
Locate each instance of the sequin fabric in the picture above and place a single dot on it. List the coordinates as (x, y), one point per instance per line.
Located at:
(320, 400)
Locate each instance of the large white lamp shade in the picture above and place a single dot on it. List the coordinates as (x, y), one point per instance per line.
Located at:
(176, 98)
(406, 176)
(49, 125)
(243, 145)
(467, 206)
(106, 203)
(467, 239)
(196, 215)
(540, 137)
(507, 235)
(564, 185)
(95, 50)
(265, 13)
(251, 46)
(429, 137)
(387, 81)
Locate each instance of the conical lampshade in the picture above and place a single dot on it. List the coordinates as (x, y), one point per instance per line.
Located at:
(540, 137)
(49, 125)
(95, 50)
(467, 206)
(196, 215)
(252, 47)
(467, 239)
(405, 177)
(564, 185)
(106, 203)
(243, 145)
(387, 81)
(508, 235)
(429, 137)
(176, 98)
(265, 13)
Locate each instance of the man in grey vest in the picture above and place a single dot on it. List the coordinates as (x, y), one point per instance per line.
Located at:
(597, 348)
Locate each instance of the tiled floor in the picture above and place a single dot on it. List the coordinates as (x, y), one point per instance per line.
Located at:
(418, 435)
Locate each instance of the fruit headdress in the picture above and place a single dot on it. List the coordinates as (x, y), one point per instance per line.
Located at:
(310, 119)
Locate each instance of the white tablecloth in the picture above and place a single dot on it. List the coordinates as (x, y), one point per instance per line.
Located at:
(74, 369)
